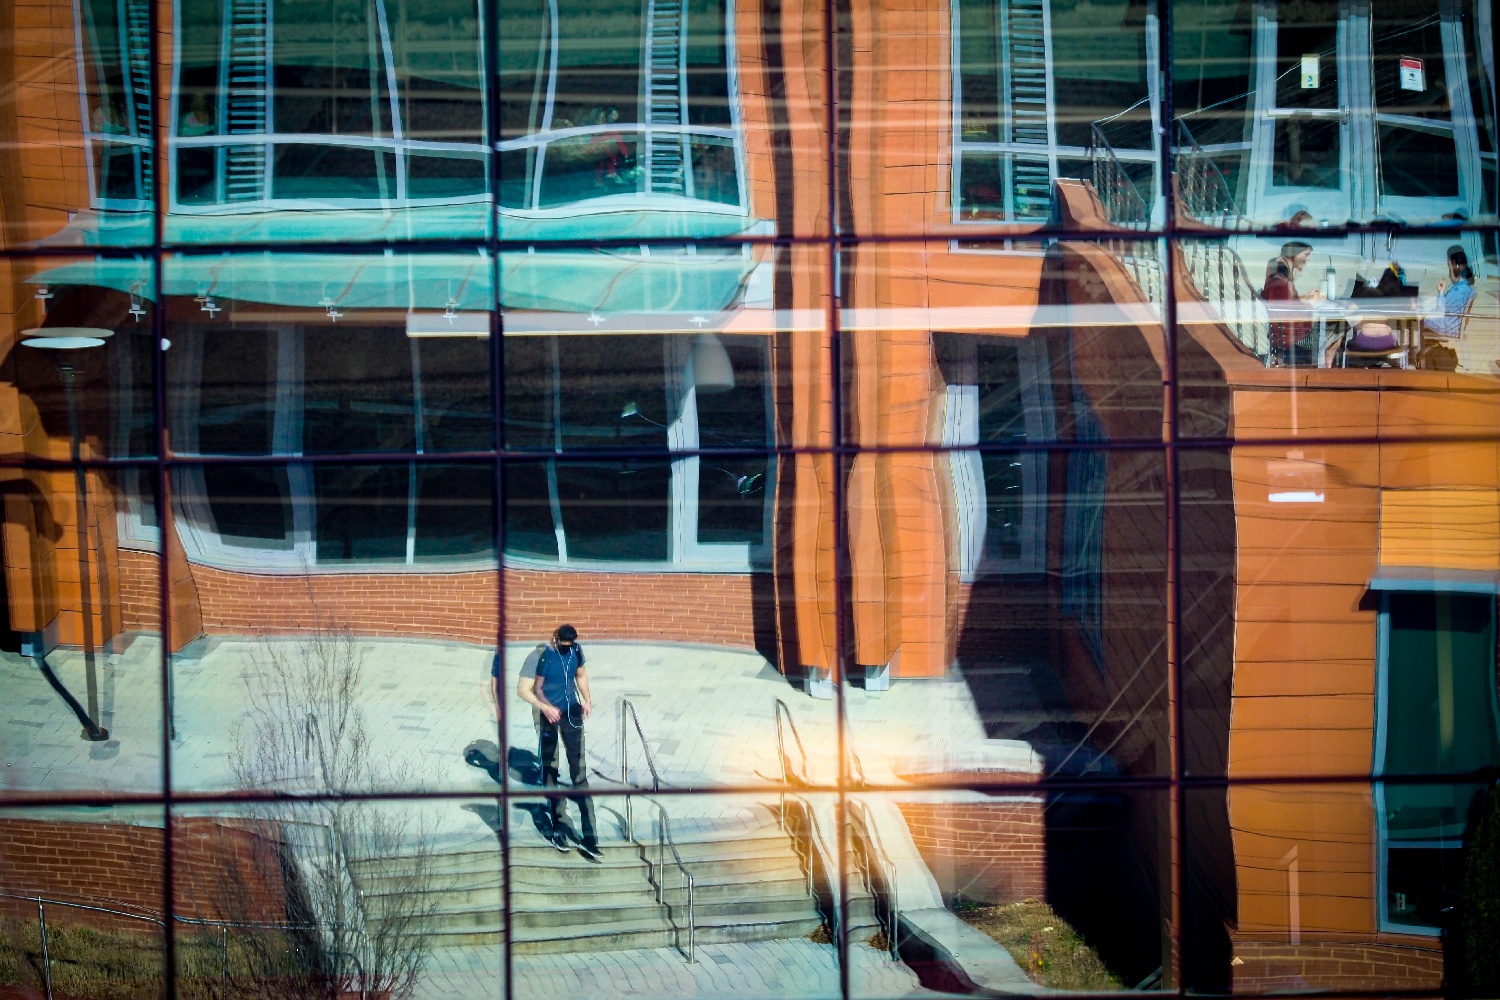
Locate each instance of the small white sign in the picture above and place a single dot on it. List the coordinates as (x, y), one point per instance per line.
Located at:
(1310, 72)
(1411, 74)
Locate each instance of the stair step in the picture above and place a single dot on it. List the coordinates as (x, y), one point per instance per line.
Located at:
(625, 936)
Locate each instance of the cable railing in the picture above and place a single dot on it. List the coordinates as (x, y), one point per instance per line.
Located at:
(655, 871)
(1123, 204)
(1232, 300)
(1202, 192)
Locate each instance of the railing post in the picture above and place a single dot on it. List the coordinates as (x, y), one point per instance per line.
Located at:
(224, 961)
(624, 777)
(692, 925)
(41, 916)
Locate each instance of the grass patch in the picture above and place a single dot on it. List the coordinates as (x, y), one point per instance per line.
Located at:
(84, 962)
(1042, 943)
(107, 964)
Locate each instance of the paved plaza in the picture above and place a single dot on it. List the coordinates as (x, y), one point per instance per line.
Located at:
(789, 969)
(708, 714)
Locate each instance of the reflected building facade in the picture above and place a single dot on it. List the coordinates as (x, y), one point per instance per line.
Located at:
(1007, 460)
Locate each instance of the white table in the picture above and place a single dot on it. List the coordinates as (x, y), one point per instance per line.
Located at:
(1403, 315)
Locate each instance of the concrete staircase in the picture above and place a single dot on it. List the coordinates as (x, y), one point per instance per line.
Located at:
(750, 884)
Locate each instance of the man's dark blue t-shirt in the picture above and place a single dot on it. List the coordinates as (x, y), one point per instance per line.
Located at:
(558, 673)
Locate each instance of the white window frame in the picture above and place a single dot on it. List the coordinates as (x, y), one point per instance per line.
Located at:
(647, 133)
(203, 543)
(685, 552)
(1377, 769)
(92, 140)
(966, 467)
(396, 143)
(1052, 151)
(200, 536)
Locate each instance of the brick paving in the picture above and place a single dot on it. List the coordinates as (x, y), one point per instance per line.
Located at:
(707, 711)
(791, 968)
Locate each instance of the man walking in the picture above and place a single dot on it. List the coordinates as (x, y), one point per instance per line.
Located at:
(559, 694)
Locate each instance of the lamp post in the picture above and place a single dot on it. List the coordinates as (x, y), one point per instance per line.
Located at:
(66, 342)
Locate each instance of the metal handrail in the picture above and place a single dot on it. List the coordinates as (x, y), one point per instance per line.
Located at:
(664, 843)
(1122, 202)
(887, 870)
(778, 709)
(626, 706)
(663, 822)
(1201, 185)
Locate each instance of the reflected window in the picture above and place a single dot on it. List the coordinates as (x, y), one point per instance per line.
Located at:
(619, 105)
(344, 103)
(247, 391)
(1043, 87)
(1356, 115)
(115, 77)
(1438, 713)
(997, 394)
(668, 392)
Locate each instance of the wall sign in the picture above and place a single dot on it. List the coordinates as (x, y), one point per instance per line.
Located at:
(1411, 74)
(1310, 72)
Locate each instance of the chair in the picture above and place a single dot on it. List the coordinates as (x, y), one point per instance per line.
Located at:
(1399, 356)
(1428, 339)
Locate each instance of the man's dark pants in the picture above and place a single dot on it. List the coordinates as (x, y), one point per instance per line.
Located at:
(572, 738)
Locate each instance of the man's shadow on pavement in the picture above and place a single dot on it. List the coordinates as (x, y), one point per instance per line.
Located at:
(525, 766)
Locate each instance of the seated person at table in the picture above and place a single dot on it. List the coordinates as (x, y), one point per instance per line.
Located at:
(1455, 294)
(1373, 335)
(1281, 286)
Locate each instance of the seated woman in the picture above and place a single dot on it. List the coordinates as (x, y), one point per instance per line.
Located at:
(1281, 286)
(1455, 294)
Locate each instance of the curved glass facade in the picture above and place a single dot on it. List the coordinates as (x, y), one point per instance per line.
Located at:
(1023, 477)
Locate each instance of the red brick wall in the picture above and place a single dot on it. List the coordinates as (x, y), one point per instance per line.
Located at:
(987, 852)
(222, 869)
(718, 609)
(1276, 967)
(140, 591)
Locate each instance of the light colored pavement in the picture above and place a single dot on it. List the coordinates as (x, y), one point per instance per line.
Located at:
(706, 711)
(792, 969)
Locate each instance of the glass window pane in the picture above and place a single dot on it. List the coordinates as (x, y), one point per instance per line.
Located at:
(328, 75)
(455, 388)
(1441, 677)
(615, 510)
(361, 512)
(454, 517)
(1418, 164)
(530, 502)
(357, 391)
(250, 505)
(1307, 153)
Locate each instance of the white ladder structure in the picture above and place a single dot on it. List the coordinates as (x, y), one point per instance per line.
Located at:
(667, 160)
(138, 85)
(244, 86)
(1028, 189)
